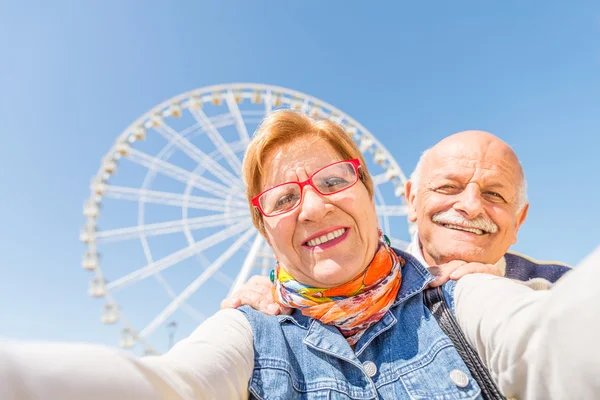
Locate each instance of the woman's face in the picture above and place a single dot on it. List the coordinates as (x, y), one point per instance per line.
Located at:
(331, 263)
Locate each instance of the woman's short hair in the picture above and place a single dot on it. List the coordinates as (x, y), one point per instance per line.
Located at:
(281, 127)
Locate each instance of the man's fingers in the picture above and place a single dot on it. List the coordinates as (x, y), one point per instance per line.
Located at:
(259, 280)
(231, 302)
(474, 268)
(263, 287)
(260, 302)
(442, 272)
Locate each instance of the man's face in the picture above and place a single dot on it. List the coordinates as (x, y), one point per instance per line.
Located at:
(466, 204)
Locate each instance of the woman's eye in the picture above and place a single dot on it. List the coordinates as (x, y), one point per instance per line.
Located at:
(334, 182)
(285, 201)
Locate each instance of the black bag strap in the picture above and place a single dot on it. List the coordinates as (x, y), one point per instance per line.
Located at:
(435, 301)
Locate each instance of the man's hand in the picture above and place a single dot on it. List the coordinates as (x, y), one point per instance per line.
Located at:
(256, 293)
(457, 269)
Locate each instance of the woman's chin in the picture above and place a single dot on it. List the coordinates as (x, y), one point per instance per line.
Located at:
(331, 274)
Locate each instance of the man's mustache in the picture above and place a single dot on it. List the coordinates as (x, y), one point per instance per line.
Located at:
(453, 217)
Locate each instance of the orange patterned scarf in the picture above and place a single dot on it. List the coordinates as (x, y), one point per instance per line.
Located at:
(352, 307)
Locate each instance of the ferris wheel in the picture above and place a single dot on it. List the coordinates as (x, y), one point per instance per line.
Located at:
(168, 231)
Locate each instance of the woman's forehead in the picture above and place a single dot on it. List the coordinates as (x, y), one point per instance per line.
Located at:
(302, 157)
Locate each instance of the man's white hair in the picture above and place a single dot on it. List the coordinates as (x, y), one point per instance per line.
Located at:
(415, 177)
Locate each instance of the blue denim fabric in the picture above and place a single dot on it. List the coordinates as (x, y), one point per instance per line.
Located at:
(297, 357)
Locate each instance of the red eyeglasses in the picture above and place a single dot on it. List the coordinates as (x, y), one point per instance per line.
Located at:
(332, 178)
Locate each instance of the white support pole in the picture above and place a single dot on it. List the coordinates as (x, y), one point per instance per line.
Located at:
(248, 263)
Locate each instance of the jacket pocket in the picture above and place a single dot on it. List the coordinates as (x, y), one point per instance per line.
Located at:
(440, 374)
(276, 379)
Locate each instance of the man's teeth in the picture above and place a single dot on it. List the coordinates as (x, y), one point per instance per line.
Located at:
(326, 238)
(461, 228)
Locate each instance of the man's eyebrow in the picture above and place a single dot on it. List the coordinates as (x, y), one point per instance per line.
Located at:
(497, 185)
(447, 176)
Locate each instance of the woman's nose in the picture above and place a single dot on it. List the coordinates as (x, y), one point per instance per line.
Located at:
(313, 206)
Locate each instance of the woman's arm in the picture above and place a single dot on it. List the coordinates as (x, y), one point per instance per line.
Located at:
(215, 361)
(537, 344)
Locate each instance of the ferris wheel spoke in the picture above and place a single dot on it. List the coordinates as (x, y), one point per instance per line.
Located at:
(188, 309)
(178, 256)
(239, 121)
(248, 264)
(268, 102)
(172, 199)
(217, 139)
(164, 228)
(181, 174)
(218, 275)
(197, 155)
(305, 106)
(386, 210)
(193, 287)
(380, 179)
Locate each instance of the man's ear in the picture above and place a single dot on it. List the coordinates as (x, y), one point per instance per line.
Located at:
(521, 217)
(410, 194)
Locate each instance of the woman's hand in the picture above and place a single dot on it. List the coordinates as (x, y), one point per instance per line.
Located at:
(457, 269)
(256, 293)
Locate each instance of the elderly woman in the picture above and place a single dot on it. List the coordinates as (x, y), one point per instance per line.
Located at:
(359, 329)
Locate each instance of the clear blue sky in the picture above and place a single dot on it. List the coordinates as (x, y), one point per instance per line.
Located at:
(74, 74)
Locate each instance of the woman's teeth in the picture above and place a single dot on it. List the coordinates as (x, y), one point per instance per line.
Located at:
(460, 228)
(326, 238)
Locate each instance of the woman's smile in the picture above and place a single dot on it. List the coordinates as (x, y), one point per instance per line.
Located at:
(327, 238)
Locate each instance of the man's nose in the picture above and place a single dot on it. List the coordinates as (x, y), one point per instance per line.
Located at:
(313, 206)
(470, 203)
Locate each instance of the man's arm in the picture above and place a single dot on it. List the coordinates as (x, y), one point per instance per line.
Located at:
(215, 361)
(537, 344)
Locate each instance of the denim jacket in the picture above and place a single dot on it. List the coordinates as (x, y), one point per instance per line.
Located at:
(405, 355)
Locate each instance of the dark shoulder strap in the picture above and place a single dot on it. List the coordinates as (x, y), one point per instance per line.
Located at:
(435, 301)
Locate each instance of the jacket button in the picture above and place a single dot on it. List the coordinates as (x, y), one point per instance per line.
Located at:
(459, 378)
(370, 368)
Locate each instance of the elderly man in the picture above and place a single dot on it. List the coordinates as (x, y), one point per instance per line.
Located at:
(468, 198)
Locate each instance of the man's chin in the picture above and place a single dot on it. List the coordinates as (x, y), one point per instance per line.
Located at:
(464, 252)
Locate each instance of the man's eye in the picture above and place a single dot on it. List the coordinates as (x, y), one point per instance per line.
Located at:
(448, 189)
(493, 196)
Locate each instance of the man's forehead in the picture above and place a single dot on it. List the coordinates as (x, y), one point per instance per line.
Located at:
(492, 171)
